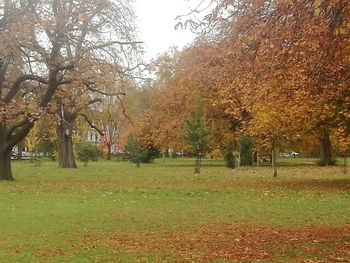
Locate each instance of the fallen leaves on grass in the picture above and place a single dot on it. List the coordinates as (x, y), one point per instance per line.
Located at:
(246, 242)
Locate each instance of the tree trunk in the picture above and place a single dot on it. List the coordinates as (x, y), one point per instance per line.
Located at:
(325, 149)
(9, 137)
(65, 141)
(197, 166)
(5, 166)
(344, 164)
(273, 159)
(65, 148)
(163, 155)
(109, 151)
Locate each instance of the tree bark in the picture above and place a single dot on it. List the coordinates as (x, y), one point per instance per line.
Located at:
(109, 151)
(9, 137)
(325, 149)
(5, 165)
(197, 166)
(345, 170)
(64, 132)
(273, 159)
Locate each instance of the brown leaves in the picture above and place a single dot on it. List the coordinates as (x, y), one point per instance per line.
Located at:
(244, 242)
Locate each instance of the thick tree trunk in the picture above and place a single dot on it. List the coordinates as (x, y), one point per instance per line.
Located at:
(5, 155)
(9, 137)
(325, 149)
(5, 166)
(109, 151)
(65, 147)
(64, 132)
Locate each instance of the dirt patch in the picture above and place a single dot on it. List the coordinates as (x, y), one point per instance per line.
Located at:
(244, 243)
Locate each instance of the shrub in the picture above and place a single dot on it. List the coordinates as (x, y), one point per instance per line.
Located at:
(149, 154)
(137, 154)
(246, 150)
(133, 150)
(86, 152)
(229, 157)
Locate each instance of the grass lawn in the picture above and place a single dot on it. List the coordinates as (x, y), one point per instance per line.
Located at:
(115, 212)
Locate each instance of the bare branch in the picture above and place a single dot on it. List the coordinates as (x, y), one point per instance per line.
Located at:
(94, 101)
(92, 125)
(124, 111)
(121, 43)
(107, 93)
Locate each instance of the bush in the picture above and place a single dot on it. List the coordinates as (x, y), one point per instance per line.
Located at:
(86, 152)
(149, 154)
(246, 150)
(229, 157)
(133, 150)
(137, 154)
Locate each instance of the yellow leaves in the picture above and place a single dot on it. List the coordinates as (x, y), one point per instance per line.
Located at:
(33, 139)
(317, 8)
(341, 31)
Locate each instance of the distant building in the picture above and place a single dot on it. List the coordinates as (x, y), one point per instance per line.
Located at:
(93, 136)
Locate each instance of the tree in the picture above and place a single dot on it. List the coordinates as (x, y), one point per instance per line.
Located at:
(33, 139)
(285, 55)
(246, 150)
(273, 70)
(86, 152)
(133, 150)
(196, 135)
(229, 157)
(110, 117)
(27, 83)
(53, 44)
(180, 79)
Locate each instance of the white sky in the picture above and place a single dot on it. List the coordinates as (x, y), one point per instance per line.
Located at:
(156, 22)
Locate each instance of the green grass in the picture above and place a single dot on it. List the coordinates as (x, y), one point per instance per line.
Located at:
(54, 215)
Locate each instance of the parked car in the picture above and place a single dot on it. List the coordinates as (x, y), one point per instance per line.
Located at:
(289, 154)
(294, 154)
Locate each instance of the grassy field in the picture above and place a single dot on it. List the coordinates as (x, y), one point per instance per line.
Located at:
(115, 212)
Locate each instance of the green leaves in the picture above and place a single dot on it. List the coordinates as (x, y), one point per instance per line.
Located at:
(196, 133)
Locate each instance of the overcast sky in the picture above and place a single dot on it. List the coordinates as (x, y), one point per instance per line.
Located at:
(156, 22)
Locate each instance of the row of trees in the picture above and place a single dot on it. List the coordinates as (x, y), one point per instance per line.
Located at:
(277, 71)
(58, 58)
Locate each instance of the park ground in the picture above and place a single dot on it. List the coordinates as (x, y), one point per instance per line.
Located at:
(116, 212)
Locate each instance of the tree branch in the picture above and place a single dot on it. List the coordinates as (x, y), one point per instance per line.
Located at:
(3, 20)
(14, 127)
(17, 85)
(3, 69)
(94, 101)
(92, 125)
(124, 111)
(122, 43)
(20, 135)
(107, 93)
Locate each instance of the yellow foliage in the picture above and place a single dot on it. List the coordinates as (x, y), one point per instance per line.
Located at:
(32, 140)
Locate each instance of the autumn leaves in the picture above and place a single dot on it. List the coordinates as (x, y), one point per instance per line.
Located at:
(275, 70)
